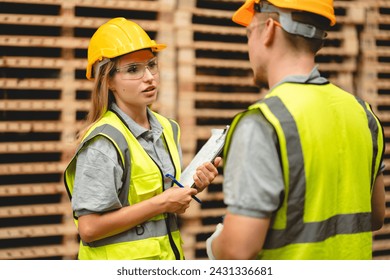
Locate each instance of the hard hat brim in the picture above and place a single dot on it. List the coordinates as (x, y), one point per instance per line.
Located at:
(158, 47)
(245, 13)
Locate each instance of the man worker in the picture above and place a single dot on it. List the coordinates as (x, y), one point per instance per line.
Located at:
(303, 166)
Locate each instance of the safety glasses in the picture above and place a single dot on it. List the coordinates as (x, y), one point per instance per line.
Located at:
(135, 71)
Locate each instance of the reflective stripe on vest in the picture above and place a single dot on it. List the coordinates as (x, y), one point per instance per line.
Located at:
(145, 230)
(374, 128)
(119, 141)
(160, 226)
(295, 230)
(305, 232)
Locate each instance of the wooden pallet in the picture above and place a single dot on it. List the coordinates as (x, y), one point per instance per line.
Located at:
(374, 86)
(207, 79)
(44, 92)
(215, 83)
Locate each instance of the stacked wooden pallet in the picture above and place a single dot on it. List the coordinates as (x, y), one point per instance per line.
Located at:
(206, 80)
(44, 98)
(374, 86)
(216, 82)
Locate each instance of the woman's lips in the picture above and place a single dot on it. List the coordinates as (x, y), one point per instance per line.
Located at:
(148, 89)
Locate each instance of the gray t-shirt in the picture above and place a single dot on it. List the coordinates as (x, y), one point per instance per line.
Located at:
(99, 172)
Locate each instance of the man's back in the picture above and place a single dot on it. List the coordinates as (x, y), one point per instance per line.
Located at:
(326, 153)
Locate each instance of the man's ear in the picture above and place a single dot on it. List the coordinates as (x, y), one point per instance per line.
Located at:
(270, 28)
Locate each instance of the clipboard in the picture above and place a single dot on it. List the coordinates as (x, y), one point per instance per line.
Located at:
(209, 151)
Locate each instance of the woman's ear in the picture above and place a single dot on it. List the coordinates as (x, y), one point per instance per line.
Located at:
(110, 86)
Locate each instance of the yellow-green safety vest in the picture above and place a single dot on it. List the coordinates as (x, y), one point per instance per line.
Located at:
(329, 167)
(158, 238)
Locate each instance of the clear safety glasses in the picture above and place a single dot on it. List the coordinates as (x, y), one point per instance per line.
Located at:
(134, 71)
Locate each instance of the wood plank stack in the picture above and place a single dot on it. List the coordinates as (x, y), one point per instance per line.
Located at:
(374, 86)
(44, 98)
(213, 54)
(205, 80)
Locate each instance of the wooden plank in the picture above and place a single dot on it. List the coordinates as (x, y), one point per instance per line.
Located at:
(236, 47)
(382, 257)
(43, 41)
(40, 62)
(31, 147)
(384, 116)
(35, 210)
(381, 245)
(216, 113)
(43, 105)
(223, 30)
(216, 46)
(207, 196)
(111, 4)
(199, 229)
(35, 126)
(46, 2)
(32, 168)
(375, 51)
(32, 189)
(49, 84)
(204, 132)
(218, 80)
(68, 250)
(217, 212)
(123, 5)
(383, 3)
(227, 97)
(348, 65)
(380, 99)
(37, 231)
(69, 21)
(383, 231)
(222, 63)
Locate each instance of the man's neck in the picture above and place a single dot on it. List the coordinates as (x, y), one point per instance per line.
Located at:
(287, 65)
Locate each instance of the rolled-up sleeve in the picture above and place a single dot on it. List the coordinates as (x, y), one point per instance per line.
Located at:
(98, 178)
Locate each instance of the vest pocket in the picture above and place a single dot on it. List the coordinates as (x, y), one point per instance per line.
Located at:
(146, 249)
(147, 185)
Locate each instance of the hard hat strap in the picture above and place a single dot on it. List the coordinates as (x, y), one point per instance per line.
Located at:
(288, 24)
(98, 65)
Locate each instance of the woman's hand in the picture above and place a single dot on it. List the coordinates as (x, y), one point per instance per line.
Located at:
(177, 199)
(205, 174)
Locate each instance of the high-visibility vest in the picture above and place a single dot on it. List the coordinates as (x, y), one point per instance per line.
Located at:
(330, 147)
(157, 238)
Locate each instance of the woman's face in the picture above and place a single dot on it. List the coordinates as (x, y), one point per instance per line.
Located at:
(136, 81)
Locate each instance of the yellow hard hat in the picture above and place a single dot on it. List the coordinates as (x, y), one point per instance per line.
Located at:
(244, 14)
(117, 37)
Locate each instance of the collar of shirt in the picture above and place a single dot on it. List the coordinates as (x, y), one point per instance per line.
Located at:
(313, 78)
(138, 131)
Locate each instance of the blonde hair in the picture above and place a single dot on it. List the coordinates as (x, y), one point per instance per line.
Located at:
(101, 97)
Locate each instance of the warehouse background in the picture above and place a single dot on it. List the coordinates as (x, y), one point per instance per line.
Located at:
(206, 80)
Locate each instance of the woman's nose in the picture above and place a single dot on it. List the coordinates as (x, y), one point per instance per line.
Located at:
(148, 75)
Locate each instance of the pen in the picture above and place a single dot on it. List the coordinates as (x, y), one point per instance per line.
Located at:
(181, 186)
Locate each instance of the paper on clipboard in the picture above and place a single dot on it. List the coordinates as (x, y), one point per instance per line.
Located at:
(209, 151)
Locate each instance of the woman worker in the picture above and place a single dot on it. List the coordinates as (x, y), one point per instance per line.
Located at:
(124, 206)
